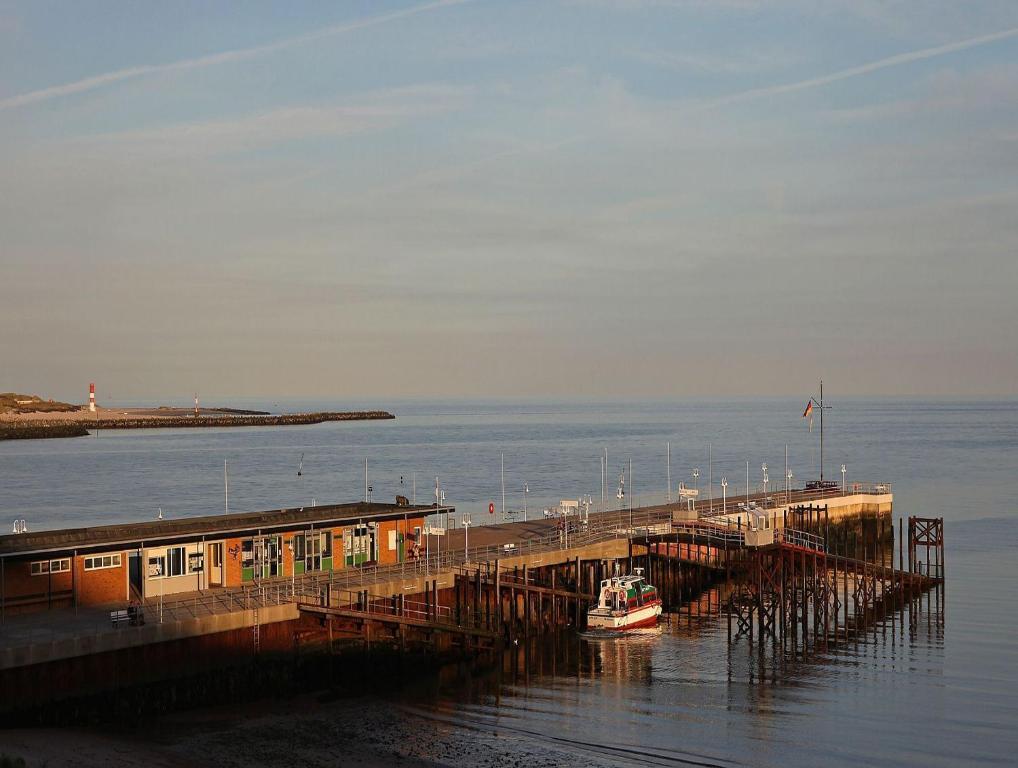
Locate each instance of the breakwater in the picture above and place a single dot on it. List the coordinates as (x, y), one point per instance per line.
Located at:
(35, 431)
(46, 429)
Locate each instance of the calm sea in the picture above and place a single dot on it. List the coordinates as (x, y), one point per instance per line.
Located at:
(945, 693)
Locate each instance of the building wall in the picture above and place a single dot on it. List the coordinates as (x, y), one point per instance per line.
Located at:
(389, 544)
(22, 589)
(105, 585)
(232, 553)
(189, 581)
(389, 533)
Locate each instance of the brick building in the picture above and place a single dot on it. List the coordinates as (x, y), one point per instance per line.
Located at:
(118, 563)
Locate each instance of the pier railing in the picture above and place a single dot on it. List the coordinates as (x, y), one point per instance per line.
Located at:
(774, 497)
(378, 605)
(801, 539)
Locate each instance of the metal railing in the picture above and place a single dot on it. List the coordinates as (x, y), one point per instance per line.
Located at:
(376, 605)
(777, 497)
(802, 539)
(711, 533)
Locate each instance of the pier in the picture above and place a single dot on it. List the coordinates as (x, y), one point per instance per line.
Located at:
(796, 576)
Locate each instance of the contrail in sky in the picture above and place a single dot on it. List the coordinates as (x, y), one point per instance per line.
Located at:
(863, 69)
(239, 54)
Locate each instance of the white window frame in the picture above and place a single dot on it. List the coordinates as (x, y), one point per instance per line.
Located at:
(115, 560)
(60, 565)
(169, 561)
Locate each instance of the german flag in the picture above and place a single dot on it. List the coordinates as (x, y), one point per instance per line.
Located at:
(808, 413)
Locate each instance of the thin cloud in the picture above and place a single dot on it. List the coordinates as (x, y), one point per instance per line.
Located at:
(374, 111)
(746, 61)
(864, 69)
(239, 54)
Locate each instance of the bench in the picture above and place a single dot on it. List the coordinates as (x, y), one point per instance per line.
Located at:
(132, 615)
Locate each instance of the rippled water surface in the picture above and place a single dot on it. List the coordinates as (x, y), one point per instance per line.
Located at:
(943, 692)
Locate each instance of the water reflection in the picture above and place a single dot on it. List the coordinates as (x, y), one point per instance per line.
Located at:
(682, 694)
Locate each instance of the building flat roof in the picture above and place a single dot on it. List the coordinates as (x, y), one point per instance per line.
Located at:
(209, 526)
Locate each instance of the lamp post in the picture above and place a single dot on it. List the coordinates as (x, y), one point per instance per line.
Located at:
(603, 493)
(526, 490)
(843, 480)
(788, 487)
(668, 468)
(696, 485)
(293, 569)
(466, 539)
(724, 494)
(765, 479)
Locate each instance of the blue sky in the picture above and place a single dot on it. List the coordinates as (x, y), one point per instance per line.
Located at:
(583, 197)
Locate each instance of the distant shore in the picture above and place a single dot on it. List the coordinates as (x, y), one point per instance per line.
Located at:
(78, 423)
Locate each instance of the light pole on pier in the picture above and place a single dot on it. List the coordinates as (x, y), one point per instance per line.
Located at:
(293, 569)
(696, 485)
(526, 490)
(765, 479)
(603, 491)
(788, 487)
(630, 494)
(843, 479)
(724, 494)
(668, 469)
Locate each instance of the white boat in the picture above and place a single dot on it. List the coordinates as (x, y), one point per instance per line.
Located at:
(625, 602)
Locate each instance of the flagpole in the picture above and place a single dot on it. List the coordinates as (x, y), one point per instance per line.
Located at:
(821, 430)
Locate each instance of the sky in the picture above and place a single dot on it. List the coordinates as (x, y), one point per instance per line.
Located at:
(472, 198)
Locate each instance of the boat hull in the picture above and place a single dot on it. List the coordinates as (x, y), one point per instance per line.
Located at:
(638, 618)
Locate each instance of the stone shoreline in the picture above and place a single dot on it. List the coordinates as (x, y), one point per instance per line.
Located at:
(38, 429)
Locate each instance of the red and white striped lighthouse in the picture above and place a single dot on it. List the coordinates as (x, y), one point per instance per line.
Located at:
(91, 398)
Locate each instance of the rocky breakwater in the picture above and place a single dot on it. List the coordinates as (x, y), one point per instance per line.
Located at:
(35, 430)
(41, 429)
(277, 420)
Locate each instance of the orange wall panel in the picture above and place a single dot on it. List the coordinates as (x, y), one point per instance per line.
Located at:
(103, 585)
(19, 581)
(233, 551)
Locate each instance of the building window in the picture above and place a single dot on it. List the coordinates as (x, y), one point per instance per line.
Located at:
(247, 554)
(175, 561)
(156, 567)
(102, 561)
(42, 567)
